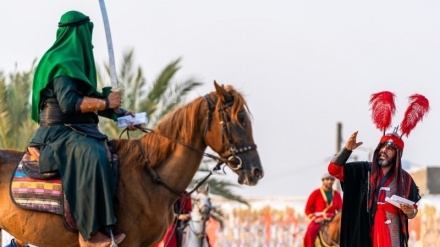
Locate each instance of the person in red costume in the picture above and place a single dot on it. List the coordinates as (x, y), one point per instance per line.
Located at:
(174, 235)
(322, 204)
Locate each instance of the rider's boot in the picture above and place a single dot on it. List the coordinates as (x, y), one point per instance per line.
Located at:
(99, 239)
(16, 243)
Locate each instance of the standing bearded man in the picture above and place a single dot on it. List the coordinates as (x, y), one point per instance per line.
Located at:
(367, 219)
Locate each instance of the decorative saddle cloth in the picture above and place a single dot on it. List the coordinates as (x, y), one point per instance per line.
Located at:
(39, 192)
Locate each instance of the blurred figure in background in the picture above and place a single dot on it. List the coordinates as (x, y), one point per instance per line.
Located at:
(322, 204)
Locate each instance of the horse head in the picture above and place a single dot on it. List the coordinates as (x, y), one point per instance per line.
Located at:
(202, 207)
(229, 133)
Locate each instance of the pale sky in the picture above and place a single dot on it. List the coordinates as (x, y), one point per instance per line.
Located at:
(302, 65)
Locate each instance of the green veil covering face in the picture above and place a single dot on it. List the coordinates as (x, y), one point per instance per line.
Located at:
(71, 55)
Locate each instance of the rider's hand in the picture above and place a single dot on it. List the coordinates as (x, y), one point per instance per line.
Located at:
(114, 100)
(319, 220)
(184, 217)
(131, 127)
(351, 142)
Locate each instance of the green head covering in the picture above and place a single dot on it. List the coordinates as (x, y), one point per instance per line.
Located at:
(71, 55)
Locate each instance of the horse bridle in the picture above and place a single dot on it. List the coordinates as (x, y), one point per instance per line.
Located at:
(228, 158)
(231, 155)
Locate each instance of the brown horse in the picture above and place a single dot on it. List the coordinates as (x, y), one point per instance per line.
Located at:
(174, 150)
(329, 232)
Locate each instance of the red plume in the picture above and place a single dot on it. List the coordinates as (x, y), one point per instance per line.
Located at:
(418, 107)
(382, 109)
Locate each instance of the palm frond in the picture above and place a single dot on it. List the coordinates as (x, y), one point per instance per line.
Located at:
(175, 96)
(160, 85)
(5, 114)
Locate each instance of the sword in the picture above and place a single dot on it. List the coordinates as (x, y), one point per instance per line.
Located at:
(111, 54)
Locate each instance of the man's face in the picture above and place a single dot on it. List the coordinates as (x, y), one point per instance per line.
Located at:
(387, 154)
(328, 182)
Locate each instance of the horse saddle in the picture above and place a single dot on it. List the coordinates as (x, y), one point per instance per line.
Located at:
(37, 191)
(43, 192)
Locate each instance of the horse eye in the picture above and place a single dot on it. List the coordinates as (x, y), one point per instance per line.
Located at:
(242, 118)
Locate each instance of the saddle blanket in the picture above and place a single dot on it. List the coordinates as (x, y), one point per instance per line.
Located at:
(36, 194)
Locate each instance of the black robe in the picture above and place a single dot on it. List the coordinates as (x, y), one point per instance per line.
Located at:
(355, 221)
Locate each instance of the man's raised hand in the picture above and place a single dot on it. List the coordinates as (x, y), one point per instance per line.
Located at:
(351, 142)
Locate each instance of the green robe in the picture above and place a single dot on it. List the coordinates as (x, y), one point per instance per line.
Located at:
(75, 148)
(77, 151)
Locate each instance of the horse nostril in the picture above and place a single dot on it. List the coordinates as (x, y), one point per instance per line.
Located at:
(258, 173)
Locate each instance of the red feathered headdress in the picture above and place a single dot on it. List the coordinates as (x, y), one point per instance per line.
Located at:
(383, 109)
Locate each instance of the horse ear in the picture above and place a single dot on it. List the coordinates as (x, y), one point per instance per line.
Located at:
(222, 93)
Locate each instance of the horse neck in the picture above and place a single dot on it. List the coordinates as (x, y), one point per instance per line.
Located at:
(182, 150)
(180, 168)
(331, 231)
(184, 160)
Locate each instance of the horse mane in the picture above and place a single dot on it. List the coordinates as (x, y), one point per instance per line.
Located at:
(180, 125)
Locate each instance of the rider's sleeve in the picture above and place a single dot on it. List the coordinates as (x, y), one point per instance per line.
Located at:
(67, 94)
(188, 205)
(310, 206)
(336, 166)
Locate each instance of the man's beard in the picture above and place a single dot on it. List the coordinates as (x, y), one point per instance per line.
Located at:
(383, 163)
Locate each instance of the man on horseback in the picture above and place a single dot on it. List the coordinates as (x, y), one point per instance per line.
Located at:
(367, 217)
(322, 204)
(174, 235)
(66, 104)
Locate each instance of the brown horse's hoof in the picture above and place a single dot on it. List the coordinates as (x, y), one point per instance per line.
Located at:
(100, 240)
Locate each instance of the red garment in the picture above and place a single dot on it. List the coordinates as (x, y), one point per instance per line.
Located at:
(311, 234)
(381, 232)
(318, 207)
(170, 239)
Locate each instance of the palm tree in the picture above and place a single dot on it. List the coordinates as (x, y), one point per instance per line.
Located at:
(16, 126)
